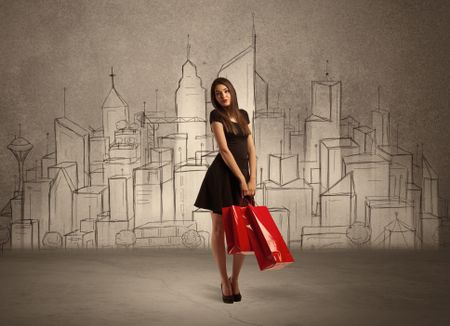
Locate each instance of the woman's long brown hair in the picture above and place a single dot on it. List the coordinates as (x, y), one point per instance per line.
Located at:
(233, 110)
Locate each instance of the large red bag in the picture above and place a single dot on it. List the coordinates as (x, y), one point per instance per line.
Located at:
(269, 247)
(236, 226)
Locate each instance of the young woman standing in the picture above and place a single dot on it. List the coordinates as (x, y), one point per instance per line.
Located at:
(230, 177)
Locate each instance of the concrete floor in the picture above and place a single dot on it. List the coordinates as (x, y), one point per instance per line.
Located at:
(181, 287)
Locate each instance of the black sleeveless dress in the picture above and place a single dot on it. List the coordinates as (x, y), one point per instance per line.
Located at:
(220, 187)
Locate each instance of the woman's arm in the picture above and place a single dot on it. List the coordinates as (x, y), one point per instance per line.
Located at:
(252, 162)
(219, 134)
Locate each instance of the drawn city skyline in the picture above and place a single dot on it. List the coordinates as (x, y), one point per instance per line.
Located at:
(329, 181)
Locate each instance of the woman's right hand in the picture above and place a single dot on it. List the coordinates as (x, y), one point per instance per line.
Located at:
(244, 188)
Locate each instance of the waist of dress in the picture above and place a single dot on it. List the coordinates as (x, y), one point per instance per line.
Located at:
(241, 161)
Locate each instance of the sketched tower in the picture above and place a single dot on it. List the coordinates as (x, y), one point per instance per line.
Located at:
(241, 71)
(324, 121)
(20, 147)
(114, 110)
(190, 101)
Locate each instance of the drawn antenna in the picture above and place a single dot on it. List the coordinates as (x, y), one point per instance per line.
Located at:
(397, 136)
(253, 25)
(112, 75)
(64, 103)
(326, 71)
(253, 30)
(156, 100)
(278, 101)
(20, 130)
(188, 48)
(379, 90)
(417, 154)
(48, 137)
(421, 154)
(143, 116)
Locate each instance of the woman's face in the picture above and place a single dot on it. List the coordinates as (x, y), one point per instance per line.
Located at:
(223, 95)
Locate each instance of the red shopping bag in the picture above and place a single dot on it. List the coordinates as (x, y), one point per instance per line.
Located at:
(269, 247)
(236, 234)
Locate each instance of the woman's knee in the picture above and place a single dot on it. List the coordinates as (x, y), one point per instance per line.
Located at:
(217, 224)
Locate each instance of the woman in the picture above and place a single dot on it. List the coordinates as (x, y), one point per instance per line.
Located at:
(228, 179)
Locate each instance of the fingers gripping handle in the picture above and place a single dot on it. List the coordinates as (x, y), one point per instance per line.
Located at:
(245, 200)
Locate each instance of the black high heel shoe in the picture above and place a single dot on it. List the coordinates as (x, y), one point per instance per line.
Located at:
(226, 298)
(236, 297)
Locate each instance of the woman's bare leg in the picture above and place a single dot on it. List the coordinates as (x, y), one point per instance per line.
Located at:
(238, 261)
(218, 249)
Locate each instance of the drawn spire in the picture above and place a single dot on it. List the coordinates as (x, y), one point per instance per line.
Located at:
(327, 74)
(278, 101)
(421, 154)
(64, 103)
(253, 31)
(188, 49)
(48, 142)
(379, 90)
(112, 75)
(143, 116)
(397, 136)
(156, 100)
(114, 99)
(416, 161)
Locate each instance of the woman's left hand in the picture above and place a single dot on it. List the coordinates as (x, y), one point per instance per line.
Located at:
(251, 187)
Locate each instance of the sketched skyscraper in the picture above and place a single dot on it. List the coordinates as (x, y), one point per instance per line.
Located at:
(114, 110)
(72, 145)
(241, 71)
(190, 101)
(324, 122)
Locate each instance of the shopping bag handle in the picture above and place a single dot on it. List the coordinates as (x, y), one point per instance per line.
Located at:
(245, 200)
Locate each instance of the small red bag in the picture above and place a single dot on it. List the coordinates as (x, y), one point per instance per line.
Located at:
(236, 226)
(270, 249)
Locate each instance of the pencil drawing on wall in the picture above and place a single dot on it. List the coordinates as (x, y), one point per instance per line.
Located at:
(329, 180)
